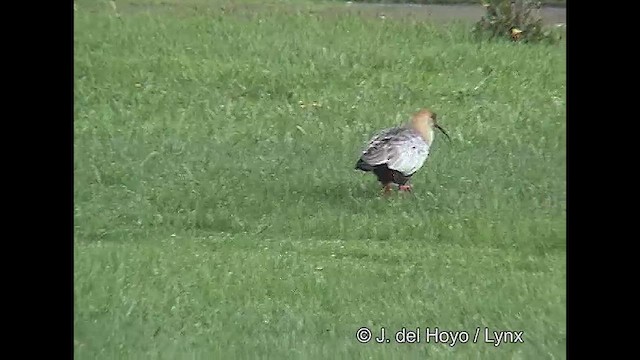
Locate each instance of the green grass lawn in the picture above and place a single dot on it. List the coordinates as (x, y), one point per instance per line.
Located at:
(218, 214)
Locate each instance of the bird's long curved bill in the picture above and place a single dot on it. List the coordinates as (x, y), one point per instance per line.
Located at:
(444, 132)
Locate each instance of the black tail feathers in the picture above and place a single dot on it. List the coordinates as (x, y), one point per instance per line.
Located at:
(362, 165)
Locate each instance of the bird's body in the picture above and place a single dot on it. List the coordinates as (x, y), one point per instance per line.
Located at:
(395, 154)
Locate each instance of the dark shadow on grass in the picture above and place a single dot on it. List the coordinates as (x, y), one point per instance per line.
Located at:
(353, 194)
(339, 193)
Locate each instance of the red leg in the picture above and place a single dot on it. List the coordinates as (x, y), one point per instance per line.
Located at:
(406, 188)
(387, 188)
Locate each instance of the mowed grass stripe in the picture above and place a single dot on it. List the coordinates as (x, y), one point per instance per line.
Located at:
(289, 297)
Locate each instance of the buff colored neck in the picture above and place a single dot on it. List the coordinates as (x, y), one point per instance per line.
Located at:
(424, 130)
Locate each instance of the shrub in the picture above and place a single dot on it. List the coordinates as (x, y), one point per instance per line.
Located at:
(518, 20)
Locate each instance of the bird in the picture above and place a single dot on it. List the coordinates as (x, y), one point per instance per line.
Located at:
(395, 154)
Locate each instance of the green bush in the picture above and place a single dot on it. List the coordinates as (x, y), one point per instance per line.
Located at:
(518, 20)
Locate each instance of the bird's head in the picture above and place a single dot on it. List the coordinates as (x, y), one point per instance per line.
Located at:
(425, 121)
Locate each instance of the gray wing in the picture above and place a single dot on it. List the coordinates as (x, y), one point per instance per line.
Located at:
(401, 149)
